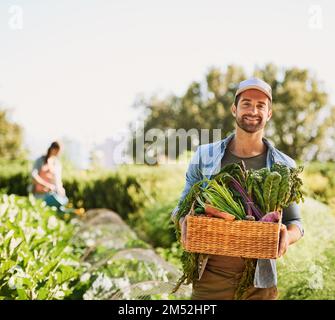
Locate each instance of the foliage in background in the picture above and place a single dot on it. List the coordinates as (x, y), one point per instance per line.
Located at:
(312, 257)
(161, 185)
(121, 193)
(319, 179)
(43, 256)
(301, 124)
(36, 260)
(11, 138)
(307, 269)
(145, 195)
(134, 192)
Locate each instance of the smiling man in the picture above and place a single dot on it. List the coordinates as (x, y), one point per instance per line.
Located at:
(219, 276)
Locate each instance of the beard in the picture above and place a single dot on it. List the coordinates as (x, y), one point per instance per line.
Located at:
(250, 126)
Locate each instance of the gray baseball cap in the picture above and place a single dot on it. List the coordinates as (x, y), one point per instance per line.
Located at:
(254, 83)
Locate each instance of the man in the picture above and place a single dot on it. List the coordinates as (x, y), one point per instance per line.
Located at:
(219, 276)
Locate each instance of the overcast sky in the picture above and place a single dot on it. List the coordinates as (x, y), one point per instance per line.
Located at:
(73, 68)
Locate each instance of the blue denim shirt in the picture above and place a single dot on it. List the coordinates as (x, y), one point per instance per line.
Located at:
(206, 162)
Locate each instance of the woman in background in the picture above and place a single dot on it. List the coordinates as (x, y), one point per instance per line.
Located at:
(47, 178)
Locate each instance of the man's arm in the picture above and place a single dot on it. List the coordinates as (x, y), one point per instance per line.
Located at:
(291, 229)
(193, 175)
(288, 236)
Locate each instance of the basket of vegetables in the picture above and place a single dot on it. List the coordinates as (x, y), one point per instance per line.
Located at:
(239, 211)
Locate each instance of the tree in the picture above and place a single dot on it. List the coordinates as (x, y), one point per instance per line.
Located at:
(204, 105)
(11, 138)
(298, 126)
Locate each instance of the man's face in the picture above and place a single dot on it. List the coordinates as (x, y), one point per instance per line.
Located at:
(253, 110)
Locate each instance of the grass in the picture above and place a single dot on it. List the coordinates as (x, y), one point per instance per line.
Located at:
(307, 269)
(306, 272)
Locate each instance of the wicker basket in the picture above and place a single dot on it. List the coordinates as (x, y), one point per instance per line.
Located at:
(239, 238)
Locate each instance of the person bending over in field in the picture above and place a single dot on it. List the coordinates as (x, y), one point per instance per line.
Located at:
(47, 178)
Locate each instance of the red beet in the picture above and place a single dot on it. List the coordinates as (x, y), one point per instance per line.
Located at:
(273, 216)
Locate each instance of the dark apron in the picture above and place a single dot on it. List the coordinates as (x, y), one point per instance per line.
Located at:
(221, 278)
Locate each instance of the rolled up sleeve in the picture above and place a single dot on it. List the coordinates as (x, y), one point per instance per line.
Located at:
(193, 175)
(291, 215)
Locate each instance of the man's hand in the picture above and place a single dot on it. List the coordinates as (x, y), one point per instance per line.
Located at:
(183, 226)
(287, 236)
(284, 240)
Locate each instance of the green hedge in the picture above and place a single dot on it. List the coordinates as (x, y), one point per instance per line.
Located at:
(319, 181)
(121, 193)
(144, 195)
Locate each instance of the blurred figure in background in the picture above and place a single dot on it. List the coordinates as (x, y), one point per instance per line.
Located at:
(47, 178)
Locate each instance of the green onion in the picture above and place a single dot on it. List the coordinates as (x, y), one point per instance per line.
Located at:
(221, 198)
